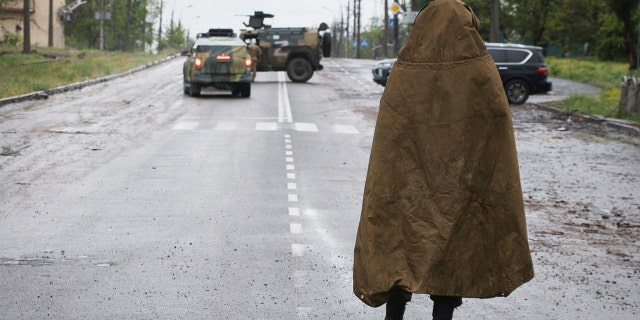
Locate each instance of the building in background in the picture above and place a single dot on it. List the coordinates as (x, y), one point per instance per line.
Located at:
(46, 28)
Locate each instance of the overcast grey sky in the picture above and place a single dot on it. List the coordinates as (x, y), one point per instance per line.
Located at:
(200, 15)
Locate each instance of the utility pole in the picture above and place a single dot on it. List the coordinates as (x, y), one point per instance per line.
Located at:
(160, 24)
(495, 21)
(127, 33)
(50, 23)
(26, 48)
(347, 42)
(356, 9)
(638, 47)
(386, 28)
(101, 24)
(414, 5)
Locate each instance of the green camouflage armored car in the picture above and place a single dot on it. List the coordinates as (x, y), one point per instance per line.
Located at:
(218, 59)
(295, 50)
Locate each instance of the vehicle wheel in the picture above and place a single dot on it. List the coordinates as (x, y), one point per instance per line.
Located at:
(326, 45)
(185, 88)
(299, 70)
(194, 90)
(245, 90)
(517, 91)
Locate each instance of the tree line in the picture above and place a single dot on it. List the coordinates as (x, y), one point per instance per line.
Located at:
(607, 29)
(131, 25)
(126, 25)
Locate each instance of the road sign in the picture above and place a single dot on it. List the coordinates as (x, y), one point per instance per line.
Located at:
(409, 17)
(364, 43)
(396, 8)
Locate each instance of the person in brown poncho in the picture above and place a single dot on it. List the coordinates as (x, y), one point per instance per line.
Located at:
(442, 210)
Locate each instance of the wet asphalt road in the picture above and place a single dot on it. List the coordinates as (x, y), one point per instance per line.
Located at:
(130, 200)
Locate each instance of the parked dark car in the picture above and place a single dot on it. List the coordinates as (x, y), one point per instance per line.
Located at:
(521, 67)
(381, 71)
(522, 70)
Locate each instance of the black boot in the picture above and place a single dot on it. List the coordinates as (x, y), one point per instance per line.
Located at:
(396, 304)
(395, 310)
(443, 307)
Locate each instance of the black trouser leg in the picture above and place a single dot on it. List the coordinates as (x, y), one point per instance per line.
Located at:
(443, 307)
(396, 304)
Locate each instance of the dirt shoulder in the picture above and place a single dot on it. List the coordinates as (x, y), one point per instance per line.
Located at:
(580, 182)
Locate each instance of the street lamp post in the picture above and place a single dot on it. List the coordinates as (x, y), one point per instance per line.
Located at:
(182, 10)
(189, 30)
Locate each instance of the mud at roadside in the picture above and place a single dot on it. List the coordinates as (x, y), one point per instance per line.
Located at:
(580, 184)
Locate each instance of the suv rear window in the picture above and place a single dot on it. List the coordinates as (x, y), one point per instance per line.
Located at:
(203, 48)
(515, 56)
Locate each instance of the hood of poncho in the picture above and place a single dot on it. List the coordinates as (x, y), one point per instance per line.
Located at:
(442, 210)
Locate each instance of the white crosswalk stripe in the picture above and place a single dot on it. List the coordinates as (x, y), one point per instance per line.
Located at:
(264, 126)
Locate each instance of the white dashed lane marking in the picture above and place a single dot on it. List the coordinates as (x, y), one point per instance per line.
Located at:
(306, 127)
(266, 126)
(294, 212)
(185, 126)
(295, 228)
(297, 250)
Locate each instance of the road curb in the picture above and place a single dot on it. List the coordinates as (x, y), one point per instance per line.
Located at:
(621, 125)
(44, 94)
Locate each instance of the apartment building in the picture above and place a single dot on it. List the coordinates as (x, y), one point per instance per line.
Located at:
(45, 21)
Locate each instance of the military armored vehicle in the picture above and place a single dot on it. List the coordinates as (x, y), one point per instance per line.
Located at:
(297, 51)
(218, 59)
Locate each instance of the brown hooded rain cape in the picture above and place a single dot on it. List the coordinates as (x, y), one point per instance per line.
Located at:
(442, 211)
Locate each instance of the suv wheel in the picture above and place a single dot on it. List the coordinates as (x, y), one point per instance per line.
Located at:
(299, 70)
(326, 45)
(517, 91)
(245, 90)
(194, 90)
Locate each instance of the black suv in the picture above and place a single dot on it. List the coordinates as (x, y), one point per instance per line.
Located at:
(522, 70)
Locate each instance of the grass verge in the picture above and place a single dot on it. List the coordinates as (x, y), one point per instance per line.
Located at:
(605, 75)
(49, 68)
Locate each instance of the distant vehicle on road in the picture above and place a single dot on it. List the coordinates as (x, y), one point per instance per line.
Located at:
(381, 71)
(522, 70)
(297, 51)
(218, 59)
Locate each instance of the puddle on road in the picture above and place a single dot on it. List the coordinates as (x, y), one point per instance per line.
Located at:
(48, 261)
(29, 262)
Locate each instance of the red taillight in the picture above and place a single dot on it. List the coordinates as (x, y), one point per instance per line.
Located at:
(543, 70)
(223, 57)
(247, 62)
(198, 63)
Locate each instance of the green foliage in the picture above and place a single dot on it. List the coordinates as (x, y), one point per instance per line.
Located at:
(26, 70)
(572, 23)
(610, 38)
(605, 75)
(175, 37)
(524, 21)
(482, 10)
(12, 39)
(604, 105)
(134, 16)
